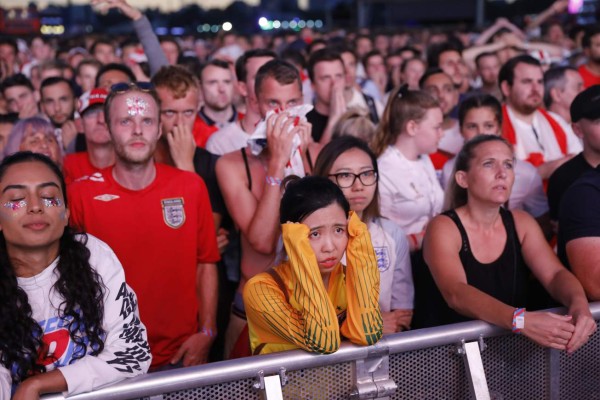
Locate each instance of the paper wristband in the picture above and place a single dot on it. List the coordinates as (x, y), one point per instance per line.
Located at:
(518, 322)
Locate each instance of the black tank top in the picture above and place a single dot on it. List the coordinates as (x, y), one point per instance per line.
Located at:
(505, 278)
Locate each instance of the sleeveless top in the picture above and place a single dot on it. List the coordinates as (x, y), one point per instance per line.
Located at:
(505, 278)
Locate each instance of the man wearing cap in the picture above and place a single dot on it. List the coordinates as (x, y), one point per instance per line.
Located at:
(585, 115)
(537, 137)
(579, 208)
(100, 150)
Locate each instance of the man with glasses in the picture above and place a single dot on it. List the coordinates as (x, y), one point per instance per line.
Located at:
(158, 221)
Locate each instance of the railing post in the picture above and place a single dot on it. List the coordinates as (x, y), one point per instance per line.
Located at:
(271, 385)
(371, 376)
(553, 359)
(474, 368)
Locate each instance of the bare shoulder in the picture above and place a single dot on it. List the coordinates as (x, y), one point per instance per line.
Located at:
(442, 224)
(442, 232)
(523, 221)
(230, 166)
(235, 157)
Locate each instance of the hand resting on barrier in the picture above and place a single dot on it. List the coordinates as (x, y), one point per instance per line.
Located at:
(481, 255)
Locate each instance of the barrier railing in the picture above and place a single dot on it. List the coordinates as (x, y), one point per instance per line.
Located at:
(434, 363)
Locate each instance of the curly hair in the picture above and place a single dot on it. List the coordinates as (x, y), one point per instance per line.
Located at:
(78, 284)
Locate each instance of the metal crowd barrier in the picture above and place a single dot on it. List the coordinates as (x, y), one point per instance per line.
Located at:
(471, 360)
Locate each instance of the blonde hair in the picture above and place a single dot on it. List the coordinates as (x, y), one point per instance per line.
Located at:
(403, 106)
(354, 122)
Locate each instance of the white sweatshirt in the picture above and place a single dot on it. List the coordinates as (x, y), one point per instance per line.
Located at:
(126, 352)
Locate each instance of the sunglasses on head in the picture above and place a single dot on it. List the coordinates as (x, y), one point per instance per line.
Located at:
(123, 87)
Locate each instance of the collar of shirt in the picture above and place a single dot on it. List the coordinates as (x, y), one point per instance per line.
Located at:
(210, 122)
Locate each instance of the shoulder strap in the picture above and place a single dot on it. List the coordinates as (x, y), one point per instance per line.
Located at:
(245, 157)
(309, 159)
(559, 133)
(508, 130)
(277, 278)
(463, 233)
(279, 283)
(372, 109)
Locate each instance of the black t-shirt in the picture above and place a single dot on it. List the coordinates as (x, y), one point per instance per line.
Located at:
(562, 178)
(204, 164)
(579, 214)
(319, 123)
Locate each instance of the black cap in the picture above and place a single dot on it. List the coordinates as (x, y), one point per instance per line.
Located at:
(586, 104)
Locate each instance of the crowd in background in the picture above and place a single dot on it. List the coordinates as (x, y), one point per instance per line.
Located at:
(468, 158)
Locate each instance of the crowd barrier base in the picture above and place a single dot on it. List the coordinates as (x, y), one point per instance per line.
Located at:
(470, 360)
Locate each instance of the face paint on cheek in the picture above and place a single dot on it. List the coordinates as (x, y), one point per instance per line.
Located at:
(137, 106)
(54, 202)
(15, 205)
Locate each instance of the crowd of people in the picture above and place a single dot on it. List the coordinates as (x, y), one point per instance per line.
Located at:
(168, 202)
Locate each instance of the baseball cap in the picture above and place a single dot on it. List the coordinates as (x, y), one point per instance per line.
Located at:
(91, 98)
(586, 104)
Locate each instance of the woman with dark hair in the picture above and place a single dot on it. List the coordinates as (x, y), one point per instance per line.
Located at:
(68, 320)
(482, 115)
(480, 256)
(311, 299)
(350, 163)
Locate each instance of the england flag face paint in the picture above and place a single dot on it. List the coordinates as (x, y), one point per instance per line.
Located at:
(137, 106)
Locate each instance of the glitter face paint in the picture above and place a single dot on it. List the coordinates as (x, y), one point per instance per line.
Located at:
(137, 106)
(15, 205)
(53, 202)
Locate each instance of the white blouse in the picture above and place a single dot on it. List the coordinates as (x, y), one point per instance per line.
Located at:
(409, 191)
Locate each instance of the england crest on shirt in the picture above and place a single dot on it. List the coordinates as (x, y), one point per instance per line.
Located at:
(173, 212)
(383, 258)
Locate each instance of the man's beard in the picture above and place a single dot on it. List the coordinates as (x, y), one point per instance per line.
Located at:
(134, 158)
(60, 125)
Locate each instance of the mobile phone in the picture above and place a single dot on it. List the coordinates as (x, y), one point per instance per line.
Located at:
(575, 6)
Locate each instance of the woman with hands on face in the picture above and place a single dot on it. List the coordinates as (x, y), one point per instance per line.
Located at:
(480, 253)
(310, 300)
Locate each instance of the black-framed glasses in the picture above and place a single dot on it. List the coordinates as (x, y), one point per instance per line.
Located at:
(346, 179)
(123, 87)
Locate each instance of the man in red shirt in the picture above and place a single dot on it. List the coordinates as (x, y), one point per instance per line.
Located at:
(100, 151)
(158, 221)
(590, 71)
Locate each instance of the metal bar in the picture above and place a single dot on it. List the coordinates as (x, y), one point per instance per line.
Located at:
(246, 368)
(273, 388)
(475, 371)
(553, 360)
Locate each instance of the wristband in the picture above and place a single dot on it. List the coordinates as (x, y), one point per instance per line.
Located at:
(207, 331)
(272, 181)
(518, 322)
